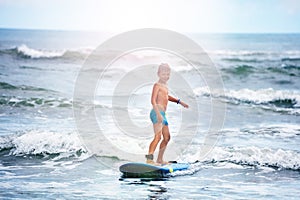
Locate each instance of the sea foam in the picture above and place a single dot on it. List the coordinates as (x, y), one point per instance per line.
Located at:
(277, 100)
(42, 143)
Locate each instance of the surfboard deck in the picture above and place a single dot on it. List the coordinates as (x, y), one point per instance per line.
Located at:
(143, 170)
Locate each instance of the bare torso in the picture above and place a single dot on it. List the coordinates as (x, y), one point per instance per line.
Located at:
(162, 97)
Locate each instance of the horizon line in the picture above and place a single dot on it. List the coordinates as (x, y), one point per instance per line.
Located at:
(107, 31)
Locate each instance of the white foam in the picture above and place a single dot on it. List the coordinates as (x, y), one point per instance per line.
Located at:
(238, 53)
(39, 53)
(278, 158)
(43, 142)
(257, 97)
(263, 95)
(33, 53)
(6, 141)
(36, 102)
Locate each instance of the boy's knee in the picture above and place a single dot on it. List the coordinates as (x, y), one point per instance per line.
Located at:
(158, 137)
(167, 139)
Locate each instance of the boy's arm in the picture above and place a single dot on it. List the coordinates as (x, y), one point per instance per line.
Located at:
(178, 101)
(170, 98)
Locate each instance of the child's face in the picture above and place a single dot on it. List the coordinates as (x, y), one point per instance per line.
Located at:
(164, 75)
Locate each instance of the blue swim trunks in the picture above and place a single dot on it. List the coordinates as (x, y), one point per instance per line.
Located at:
(153, 117)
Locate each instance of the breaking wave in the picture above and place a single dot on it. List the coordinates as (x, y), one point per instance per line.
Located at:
(14, 101)
(8, 86)
(23, 51)
(270, 99)
(258, 157)
(42, 143)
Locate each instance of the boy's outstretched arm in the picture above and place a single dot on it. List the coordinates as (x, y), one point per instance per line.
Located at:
(178, 101)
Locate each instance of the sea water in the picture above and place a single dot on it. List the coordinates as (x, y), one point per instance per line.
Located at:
(43, 156)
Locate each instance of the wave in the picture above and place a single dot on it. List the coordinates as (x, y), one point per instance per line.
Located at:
(257, 157)
(23, 51)
(30, 67)
(258, 57)
(240, 70)
(252, 156)
(7, 86)
(246, 69)
(240, 53)
(35, 102)
(270, 99)
(261, 60)
(291, 59)
(43, 144)
(290, 70)
(247, 53)
(52, 102)
(243, 60)
(291, 67)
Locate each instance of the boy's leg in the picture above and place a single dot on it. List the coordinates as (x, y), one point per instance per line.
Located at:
(157, 137)
(163, 144)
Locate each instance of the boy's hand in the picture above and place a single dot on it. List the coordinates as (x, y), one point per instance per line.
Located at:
(184, 104)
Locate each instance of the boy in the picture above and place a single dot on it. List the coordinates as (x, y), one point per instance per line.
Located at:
(159, 101)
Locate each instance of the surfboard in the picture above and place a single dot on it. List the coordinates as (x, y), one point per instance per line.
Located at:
(143, 170)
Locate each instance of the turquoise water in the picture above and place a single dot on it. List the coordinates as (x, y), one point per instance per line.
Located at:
(257, 154)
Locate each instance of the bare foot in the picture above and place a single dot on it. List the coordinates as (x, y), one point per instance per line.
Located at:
(162, 162)
(150, 162)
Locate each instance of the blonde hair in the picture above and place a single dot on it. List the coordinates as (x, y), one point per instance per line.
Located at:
(163, 67)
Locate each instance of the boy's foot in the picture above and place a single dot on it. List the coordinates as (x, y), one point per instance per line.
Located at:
(149, 160)
(162, 162)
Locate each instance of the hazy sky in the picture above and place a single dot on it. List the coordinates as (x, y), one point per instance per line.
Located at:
(178, 15)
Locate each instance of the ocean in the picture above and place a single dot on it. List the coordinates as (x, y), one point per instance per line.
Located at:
(43, 154)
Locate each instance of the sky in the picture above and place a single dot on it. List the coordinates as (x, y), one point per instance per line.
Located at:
(205, 16)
